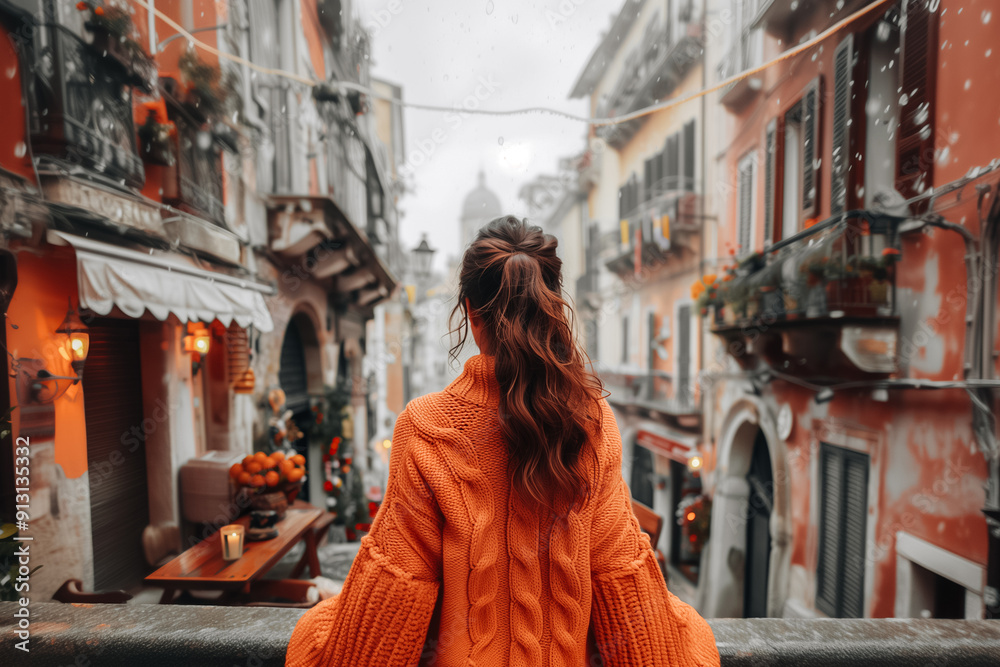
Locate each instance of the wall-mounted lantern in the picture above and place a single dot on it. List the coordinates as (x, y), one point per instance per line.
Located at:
(197, 342)
(73, 344)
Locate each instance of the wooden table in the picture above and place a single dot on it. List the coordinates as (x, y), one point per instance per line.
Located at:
(202, 568)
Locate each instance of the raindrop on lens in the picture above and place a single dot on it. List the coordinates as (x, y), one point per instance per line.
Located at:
(20, 150)
(500, 141)
(903, 99)
(489, 7)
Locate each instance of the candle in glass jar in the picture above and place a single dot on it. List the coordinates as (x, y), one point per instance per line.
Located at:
(232, 541)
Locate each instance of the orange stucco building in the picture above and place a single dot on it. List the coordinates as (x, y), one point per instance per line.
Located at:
(165, 194)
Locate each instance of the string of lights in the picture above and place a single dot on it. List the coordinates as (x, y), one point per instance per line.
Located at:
(597, 122)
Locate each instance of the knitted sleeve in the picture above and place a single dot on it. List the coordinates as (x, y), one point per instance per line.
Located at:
(382, 614)
(636, 620)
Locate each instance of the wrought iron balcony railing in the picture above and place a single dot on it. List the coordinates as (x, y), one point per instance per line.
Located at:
(745, 53)
(663, 222)
(653, 71)
(840, 269)
(80, 107)
(194, 183)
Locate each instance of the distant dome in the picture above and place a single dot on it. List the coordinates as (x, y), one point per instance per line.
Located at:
(481, 203)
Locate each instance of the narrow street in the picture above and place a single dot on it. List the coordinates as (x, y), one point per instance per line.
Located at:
(232, 240)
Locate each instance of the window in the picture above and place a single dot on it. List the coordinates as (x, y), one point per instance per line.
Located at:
(628, 198)
(882, 124)
(840, 574)
(792, 185)
(746, 175)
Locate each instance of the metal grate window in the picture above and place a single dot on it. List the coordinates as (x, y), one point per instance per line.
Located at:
(840, 572)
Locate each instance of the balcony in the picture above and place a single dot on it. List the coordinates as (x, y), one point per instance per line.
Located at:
(820, 304)
(193, 183)
(649, 76)
(676, 215)
(81, 108)
(747, 52)
(777, 17)
(655, 394)
(201, 636)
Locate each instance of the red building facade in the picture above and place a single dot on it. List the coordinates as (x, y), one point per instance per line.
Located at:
(855, 321)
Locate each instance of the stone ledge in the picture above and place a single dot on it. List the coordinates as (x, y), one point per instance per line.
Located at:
(170, 635)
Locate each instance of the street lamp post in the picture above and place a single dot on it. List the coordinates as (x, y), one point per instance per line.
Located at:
(422, 257)
(423, 254)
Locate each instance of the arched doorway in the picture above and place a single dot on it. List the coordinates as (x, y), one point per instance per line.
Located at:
(758, 551)
(299, 371)
(750, 549)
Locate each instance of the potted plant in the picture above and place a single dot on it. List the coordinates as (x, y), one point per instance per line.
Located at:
(115, 38)
(705, 294)
(209, 92)
(156, 140)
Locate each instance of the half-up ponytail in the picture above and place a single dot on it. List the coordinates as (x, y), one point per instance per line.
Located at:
(512, 278)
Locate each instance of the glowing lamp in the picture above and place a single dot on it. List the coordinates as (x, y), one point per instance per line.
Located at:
(695, 462)
(387, 443)
(75, 341)
(198, 341)
(232, 541)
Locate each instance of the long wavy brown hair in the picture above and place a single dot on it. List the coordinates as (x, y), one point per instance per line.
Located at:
(512, 278)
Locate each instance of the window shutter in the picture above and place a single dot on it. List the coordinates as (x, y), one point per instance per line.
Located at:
(683, 353)
(770, 162)
(657, 174)
(840, 571)
(918, 60)
(840, 156)
(647, 192)
(651, 349)
(745, 197)
(689, 140)
(673, 156)
(811, 128)
(855, 516)
(828, 566)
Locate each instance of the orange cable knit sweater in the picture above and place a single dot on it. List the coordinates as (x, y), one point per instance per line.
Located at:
(454, 558)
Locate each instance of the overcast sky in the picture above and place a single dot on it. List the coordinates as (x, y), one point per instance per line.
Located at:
(497, 54)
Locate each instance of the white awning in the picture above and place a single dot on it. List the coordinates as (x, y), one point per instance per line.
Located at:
(163, 284)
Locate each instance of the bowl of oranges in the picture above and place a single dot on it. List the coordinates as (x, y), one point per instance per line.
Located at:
(261, 474)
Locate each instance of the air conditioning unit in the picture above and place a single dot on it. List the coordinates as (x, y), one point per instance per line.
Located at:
(206, 492)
